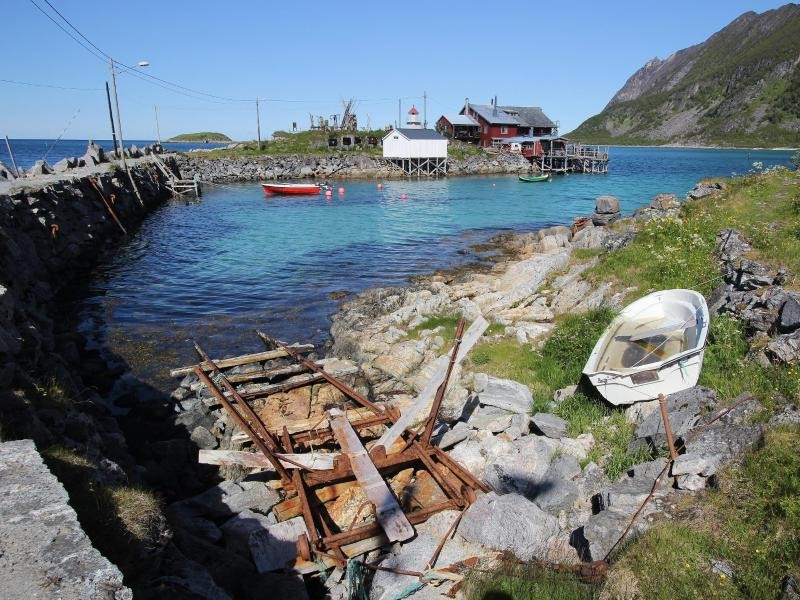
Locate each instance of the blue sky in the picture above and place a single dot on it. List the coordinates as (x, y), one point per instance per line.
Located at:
(568, 58)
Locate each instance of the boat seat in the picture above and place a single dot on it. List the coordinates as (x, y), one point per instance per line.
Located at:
(625, 354)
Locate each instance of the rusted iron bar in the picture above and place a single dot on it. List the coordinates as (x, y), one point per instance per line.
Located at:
(447, 535)
(244, 425)
(437, 400)
(459, 471)
(448, 489)
(108, 206)
(279, 388)
(374, 528)
(667, 426)
(322, 435)
(300, 488)
(245, 359)
(337, 383)
(268, 374)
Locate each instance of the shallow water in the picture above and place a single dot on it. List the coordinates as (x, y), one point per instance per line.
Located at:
(235, 261)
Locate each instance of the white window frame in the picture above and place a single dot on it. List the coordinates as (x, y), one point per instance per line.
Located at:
(504, 129)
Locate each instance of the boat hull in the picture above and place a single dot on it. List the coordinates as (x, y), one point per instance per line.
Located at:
(290, 188)
(656, 345)
(534, 179)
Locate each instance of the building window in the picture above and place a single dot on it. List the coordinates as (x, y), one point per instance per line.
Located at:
(485, 129)
(504, 130)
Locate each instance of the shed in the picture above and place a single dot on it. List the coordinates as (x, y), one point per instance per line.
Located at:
(414, 143)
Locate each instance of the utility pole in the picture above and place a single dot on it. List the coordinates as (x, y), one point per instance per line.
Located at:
(111, 116)
(119, 117)
(425, 110)
(158, 129)
(399, 113)
(258, 125)
(11, 154)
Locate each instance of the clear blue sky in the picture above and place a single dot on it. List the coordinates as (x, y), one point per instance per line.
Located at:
(568, 58)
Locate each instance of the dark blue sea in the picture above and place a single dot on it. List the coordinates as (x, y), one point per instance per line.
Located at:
(27, 152)
(236, 260)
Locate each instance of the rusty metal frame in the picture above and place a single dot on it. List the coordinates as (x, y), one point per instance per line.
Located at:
(457, 484)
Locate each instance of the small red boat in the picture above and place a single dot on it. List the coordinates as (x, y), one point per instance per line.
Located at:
(291, 188)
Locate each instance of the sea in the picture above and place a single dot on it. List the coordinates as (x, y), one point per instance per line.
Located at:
(236, 260)
(27, 152)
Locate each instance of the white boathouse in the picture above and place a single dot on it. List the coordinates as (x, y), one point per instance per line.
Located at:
(418, 151)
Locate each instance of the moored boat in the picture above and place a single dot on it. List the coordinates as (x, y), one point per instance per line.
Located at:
(534, 178)
(291, 188)
(654, 346)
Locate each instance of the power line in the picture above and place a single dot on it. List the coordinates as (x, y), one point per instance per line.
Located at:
(47, 85)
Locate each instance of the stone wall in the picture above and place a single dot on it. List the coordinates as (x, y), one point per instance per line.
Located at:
(334, 166)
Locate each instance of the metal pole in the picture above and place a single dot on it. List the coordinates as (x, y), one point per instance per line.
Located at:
(258, 125)
(11, 154)
(667, 426)
(425, 110)
(158, 129)
(111, 117)
(399, 112)
(119, 117)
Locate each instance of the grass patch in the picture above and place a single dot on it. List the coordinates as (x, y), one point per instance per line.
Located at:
(522, 582)
(449, 324)
(752, 523)
(301, 142)
(580, 254)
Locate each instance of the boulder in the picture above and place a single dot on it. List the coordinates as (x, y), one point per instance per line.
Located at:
(701, 190)
(603, 529)
(715, 446)
(790, 315)
(237, 530)
(40, 167)
(65, 164)
(274, 547)
(503, 393)
(564, 393)
(731, 245)
(664, 202)
(684, 410)
(590, 237)
(606, 205)
(784, 349)
(204, 438)
(521, 471)
(134, 151)
(490, 418)
(603, 219)
(487, 522)
(229, 498)
(94, 155)
(550, 425)
(6, 173)
(556, 495)
(564, 466)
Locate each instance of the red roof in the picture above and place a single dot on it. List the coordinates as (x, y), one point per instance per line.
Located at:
(413, 111)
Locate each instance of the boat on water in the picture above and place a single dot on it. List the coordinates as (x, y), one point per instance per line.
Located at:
(534, 178)
(654, 346)
(292, 188)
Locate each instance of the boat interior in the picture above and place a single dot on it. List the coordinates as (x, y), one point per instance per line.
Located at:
(652, 336)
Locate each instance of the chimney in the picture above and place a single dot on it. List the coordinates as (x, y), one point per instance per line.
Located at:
(494, 106)
(466, 106)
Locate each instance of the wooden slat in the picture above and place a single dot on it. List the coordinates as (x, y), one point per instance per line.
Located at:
(317, 461)
(244, 359)
(387, 510)
(425, 397)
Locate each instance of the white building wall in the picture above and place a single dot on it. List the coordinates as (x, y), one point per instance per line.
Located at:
(396, 145)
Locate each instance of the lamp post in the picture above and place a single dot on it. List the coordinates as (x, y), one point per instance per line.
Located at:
(121, 152)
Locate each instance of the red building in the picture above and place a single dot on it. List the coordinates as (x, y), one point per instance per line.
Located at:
(498, 123)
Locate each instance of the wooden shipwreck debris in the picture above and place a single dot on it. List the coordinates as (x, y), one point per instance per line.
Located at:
(342, 446)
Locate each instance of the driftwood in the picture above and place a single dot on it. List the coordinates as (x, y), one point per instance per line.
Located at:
(244, 359)
(316, 460)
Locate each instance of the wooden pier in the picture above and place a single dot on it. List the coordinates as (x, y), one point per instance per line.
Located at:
(422, 166)
(179, 187)
(560, 155)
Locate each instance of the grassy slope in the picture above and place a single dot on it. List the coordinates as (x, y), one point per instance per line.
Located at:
(727, 64)
(211, 136)
(673, 560)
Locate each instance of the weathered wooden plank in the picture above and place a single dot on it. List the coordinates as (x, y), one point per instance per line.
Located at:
(244, 359)
(317, 460)
(387, 510)
(262, 374)
(425, 397)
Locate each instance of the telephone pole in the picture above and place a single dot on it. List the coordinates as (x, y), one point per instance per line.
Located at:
(258, 125)
(399, 114)
(425, 110)
(158, 129)
(111, 116)
(119, 117)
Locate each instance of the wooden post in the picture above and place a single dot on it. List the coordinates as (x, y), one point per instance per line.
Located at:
(667, 427)
(111, 116)
(258, 125)
(158, 129)
(119, 117)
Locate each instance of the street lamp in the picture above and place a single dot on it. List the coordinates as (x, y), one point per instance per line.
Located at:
(121, 152)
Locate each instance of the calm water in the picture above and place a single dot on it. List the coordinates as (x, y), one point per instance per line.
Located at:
(217, 269)
(27, 152)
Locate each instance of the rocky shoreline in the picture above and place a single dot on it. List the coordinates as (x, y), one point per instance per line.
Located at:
(342, 165)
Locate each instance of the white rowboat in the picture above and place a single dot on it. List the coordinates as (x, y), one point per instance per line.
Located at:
(654, 346)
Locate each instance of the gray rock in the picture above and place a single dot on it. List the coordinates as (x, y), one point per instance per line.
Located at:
(488, 522)
(556, 494)
(790, 588)
(564, 467)
(606, 205)
(521, 472)
(718, 444)
(684, 410)
(187, 579)
(604, 529)
(94, 155)
(520, 426)
(564, 393)
(65, 164)
(785, 349)
(701, 190)
(204, 438)
(550, 425)
(731, 245)
(490, 418)
(237, 530)
(503, 393)
(274, 547)
(603, 219)
(789, 415)
(229, 498)
(40, 167)
(452, 436)
(790, 315)
(6, 172)
(45, 550)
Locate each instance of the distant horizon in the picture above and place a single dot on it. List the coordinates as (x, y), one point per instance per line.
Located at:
(208, 80)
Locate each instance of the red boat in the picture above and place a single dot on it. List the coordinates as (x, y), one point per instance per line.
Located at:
(291, 188)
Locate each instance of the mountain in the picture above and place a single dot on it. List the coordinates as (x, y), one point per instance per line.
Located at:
(741, 87)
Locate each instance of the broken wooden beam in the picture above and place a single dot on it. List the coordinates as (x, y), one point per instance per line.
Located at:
(387, 510)
(316, 461)
(244, 359)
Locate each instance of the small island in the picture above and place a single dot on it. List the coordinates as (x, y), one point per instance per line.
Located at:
(202, 136)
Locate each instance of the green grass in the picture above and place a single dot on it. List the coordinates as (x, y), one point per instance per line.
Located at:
(211, 136)
(302, 142)
(522, 582)
(449, 324)
(752, 522)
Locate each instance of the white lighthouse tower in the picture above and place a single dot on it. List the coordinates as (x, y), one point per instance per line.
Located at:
(413, 119)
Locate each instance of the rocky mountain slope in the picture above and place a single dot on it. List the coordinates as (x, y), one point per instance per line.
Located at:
(741, 87)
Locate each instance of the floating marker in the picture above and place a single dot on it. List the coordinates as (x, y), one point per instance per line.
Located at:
(403, 196)
(328, 193)
(380, 186)
(341, 190)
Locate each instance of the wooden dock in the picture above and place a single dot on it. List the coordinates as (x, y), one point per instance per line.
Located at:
(179, 187)
(561, 155)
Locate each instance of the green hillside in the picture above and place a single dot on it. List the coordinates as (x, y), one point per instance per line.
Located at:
(201, 136)
(741, 87)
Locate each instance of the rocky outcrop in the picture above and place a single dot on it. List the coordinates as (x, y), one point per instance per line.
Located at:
(43, 548)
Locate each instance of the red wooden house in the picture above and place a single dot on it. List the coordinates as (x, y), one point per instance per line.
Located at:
(499, 123)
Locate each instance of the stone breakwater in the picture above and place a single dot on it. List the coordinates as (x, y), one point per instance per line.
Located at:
(336, 166)
(53, 230)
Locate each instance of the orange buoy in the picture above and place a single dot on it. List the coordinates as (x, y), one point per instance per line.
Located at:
(328, 193)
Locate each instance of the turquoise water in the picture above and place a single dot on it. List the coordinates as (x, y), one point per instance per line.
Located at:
(217, 269)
